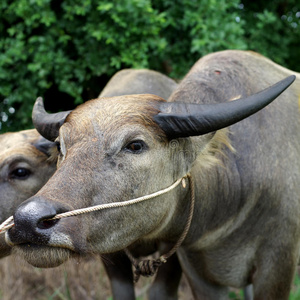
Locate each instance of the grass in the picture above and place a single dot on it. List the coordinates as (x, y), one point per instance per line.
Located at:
(295, 293)
(236, 295)
(79, 280)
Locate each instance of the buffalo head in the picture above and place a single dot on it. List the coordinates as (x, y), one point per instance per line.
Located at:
(24, 168)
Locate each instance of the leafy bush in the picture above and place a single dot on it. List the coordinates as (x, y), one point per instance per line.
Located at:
(68, 45)
(273, 29)
(67, 50)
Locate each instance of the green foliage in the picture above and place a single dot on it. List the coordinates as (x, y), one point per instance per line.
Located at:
(295, 293)
(233, 295)
(196, 28)
(274, 30)
(67, 50)
(68, 44)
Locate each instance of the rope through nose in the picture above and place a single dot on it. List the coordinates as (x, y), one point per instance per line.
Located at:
(9, 223)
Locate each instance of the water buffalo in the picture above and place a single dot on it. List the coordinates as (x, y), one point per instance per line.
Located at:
(245, 227)
(28, 144)
(24, 168)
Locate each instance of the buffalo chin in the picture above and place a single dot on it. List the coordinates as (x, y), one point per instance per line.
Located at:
(42, 256)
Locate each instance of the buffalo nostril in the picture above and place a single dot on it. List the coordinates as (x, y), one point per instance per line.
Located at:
(46, 224)
(33, 221)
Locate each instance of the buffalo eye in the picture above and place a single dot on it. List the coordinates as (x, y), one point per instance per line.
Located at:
(20, 173)
(135, 147)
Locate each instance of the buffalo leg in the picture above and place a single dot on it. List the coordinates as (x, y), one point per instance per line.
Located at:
(248, 292)
(166, 283)
(202, 289)
(119, 271)
(275, 270)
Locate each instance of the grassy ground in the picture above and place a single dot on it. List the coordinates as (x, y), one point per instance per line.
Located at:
(85, 279)
(295, 294)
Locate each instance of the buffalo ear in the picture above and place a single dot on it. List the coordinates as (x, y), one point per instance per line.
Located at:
(47, 124)
(44, 146)
(183, 119)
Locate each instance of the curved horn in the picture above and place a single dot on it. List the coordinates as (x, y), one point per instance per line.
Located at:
(184, 119)
(47, 124)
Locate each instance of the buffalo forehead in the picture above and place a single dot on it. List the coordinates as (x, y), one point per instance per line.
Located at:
(108, 114)
(13, 139)
(19, 144)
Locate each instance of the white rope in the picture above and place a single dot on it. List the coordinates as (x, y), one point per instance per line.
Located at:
(9, 222)
(6, 224)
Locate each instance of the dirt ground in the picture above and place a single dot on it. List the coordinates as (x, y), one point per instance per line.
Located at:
(76, 280)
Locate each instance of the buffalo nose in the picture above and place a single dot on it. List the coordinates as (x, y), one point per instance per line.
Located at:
(32, 224)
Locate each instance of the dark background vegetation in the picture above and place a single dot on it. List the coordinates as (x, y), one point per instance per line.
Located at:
(66, 51)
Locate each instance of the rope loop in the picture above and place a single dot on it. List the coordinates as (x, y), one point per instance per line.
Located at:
(146, 268)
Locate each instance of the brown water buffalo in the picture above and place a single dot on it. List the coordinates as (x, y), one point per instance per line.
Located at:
(29, 144)
(245, 227)
(24, 168)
